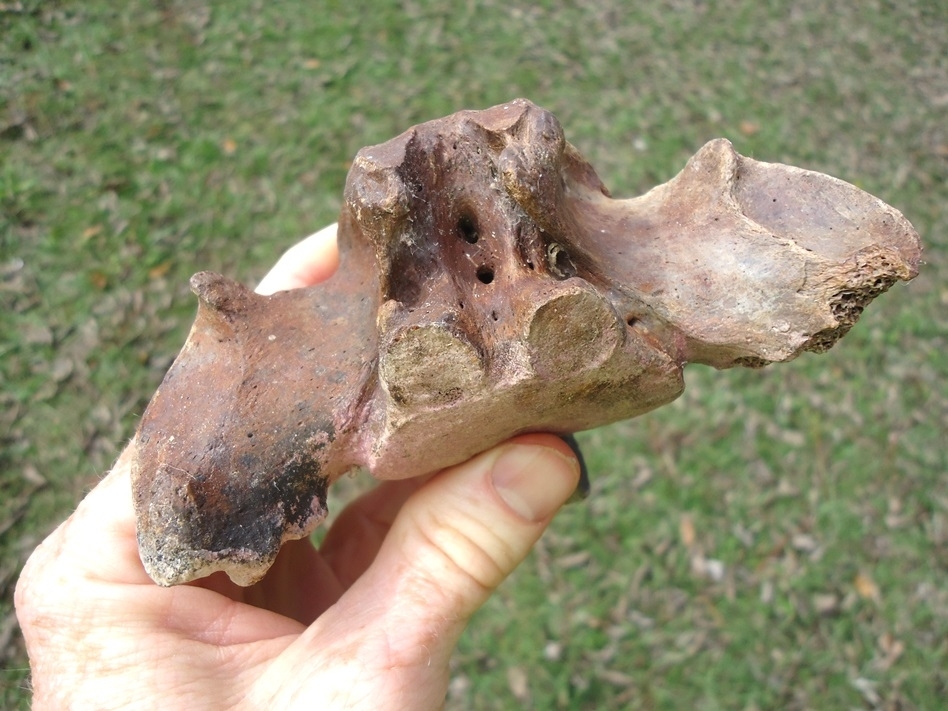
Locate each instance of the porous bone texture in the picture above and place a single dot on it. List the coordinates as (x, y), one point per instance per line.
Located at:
(489, 285)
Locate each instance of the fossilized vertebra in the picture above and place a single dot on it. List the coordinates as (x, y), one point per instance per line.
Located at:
(488, 286)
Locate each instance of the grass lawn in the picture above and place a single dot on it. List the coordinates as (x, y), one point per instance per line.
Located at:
(775, 539)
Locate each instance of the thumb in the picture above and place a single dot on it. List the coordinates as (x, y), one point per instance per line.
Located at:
(460, 535)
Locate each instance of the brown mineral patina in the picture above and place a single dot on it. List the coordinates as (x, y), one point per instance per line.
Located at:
(488, 286)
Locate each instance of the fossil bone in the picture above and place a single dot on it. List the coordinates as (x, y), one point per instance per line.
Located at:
(489, 286)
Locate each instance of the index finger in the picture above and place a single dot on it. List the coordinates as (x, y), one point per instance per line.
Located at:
(308, 262)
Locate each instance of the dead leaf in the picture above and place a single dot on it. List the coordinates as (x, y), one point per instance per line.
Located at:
(709, 568)
(32, 476)
(159, 270)
(37, 334)
(804, 542)
(895, 518)
(99, 280)
(686, 530)
(643, 622)
(61, 369)
(90, 232)
(615, 677)
(891, 649)
(517, 681)
(459, 686)
(867, 688)
(311, 64)
(573, 560)
(866, 587)
(748, 128)
(642, 478)
(786, 489)
(826, 604)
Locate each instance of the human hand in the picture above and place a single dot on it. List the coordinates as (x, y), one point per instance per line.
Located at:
(369, 621)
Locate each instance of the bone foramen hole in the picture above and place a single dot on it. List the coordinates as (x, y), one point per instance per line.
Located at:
(467, 226)
(559, 261)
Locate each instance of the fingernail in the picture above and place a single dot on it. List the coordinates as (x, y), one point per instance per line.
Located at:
(534, 480)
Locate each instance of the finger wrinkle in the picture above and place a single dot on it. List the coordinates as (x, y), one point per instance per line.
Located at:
(462, 550)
